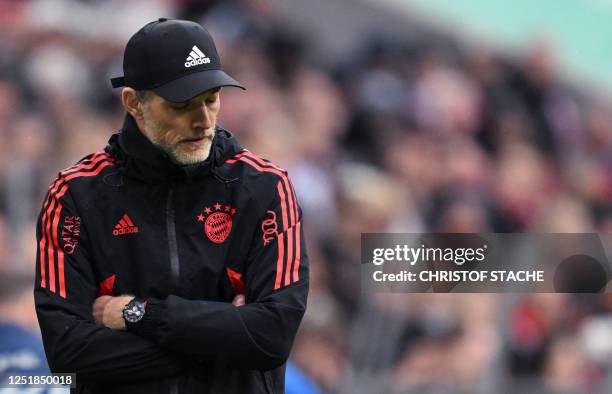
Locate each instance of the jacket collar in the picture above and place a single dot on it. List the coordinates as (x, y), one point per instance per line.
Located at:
(140, 158)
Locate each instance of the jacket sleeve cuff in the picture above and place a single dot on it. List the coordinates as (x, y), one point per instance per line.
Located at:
(147, 327)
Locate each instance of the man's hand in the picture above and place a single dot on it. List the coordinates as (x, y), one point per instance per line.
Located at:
(108, 311)
(238, 300)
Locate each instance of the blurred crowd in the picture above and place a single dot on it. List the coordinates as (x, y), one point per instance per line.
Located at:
(403, 136)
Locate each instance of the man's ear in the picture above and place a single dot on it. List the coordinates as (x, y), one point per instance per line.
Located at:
(131, 103)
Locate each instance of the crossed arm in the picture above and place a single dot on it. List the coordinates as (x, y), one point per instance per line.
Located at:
(108, 311)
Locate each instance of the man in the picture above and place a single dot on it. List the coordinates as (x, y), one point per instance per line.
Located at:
(142, 247)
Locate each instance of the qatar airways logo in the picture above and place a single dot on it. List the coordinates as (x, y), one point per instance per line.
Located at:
(70, 233)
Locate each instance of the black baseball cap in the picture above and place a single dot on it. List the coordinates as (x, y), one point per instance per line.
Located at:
(177, 59)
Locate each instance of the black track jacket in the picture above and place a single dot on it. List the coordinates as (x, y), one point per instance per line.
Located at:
(126, 220)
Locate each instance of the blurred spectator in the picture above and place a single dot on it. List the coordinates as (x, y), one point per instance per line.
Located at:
(298, 383)
(21, 349)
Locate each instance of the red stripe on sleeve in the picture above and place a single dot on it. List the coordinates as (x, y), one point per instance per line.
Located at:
(103, 165)
(50, 229)
(237, 157)
(41, 262)
(283, 204)
(87, 164)
(288, 229)
(296, 264)
(60, 252)
(43, 235)
(262, 162)
(60, 272)
(261, 165)
(279, 263)
(291, 205)
(289, 256)
(47, 229)
(281, 238)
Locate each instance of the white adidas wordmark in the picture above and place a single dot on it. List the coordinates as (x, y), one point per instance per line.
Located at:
(196, 56)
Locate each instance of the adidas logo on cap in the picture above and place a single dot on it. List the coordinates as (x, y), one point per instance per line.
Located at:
(196, 56)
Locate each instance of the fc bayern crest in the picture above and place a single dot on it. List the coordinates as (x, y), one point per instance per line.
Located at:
(217, 222)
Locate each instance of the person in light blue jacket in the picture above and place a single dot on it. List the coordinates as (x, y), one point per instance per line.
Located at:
(296, 382)
(21, 349)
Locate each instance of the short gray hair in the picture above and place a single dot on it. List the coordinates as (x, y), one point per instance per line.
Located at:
(142, 95)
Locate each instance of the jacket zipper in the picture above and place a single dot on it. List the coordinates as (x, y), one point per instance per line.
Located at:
(171, 231)
(173, 252)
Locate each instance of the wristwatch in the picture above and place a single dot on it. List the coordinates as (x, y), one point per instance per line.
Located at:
(134, 311)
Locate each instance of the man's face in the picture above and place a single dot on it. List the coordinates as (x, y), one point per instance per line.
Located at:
(183, 130)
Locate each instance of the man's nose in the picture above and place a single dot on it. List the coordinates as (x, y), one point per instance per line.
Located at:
(202, 118)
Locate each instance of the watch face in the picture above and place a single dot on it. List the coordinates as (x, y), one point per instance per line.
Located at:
(134, 311)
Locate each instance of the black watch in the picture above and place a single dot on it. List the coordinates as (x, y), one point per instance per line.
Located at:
(134, 311)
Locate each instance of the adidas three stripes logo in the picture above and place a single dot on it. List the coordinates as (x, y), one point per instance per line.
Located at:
(196, 56)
